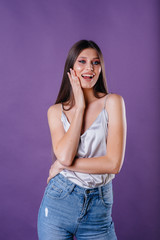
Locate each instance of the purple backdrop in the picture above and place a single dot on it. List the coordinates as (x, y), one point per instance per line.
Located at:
(35, 37)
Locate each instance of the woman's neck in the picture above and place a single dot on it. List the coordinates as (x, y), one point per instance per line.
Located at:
(88, 96)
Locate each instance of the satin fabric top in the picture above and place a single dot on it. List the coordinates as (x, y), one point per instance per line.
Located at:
(92, 143)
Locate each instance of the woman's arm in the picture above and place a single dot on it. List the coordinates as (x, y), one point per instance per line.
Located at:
(95, 165)
(65, 144)
(116, 143)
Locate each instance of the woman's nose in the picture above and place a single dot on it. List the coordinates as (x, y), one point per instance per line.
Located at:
(90, 66)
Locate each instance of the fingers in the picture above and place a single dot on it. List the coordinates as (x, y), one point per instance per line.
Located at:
(50, 174)
(76, 88)
(72, 76)
(50, 171)
(48, 180)
(73, 73)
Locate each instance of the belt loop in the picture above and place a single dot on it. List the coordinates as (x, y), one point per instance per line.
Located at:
(71, 188)
(100, 191)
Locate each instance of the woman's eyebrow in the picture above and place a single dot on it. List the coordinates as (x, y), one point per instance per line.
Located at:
(93, 58)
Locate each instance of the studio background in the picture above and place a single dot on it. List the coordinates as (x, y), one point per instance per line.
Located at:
(35, 37)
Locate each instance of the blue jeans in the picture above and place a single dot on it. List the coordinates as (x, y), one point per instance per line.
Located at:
(69, 210)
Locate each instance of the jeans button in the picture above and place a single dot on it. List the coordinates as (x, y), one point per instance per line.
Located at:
(87, 191)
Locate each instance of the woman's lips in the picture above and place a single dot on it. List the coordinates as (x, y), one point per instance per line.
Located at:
(87, 77)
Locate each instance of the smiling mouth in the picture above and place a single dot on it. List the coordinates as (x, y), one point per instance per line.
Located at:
(87, 76)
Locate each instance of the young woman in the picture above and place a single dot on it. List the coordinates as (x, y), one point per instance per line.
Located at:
(88, 133)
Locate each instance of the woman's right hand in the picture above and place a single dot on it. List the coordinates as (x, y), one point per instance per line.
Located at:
(77, 89)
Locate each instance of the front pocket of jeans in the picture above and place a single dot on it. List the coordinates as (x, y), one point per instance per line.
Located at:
(107, 198)
(57, 191)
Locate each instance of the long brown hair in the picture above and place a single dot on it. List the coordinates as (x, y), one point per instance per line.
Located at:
(65, 93)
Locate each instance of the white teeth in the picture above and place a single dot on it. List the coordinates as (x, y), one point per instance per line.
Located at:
(86, 75)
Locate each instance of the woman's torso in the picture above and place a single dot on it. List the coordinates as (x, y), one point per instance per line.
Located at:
(92, 143)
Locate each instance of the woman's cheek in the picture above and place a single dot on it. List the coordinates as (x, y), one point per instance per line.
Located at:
(77, 68)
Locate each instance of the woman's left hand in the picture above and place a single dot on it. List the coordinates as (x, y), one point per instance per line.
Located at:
(55, 168)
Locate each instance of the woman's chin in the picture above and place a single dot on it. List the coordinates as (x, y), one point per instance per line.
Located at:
(84, 86)
(87, 84)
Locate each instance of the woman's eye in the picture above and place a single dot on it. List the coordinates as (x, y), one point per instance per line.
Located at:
(82, 61)
(96, 62)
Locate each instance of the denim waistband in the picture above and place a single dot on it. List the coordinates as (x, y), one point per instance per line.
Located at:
(81, 190)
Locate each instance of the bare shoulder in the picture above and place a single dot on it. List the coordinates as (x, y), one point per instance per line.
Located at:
(115, 106)
(114, 100)
(54, 111)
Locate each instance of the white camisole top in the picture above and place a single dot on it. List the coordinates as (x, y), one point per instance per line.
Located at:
(92, 143)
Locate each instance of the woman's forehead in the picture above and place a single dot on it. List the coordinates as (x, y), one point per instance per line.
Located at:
(89, 52)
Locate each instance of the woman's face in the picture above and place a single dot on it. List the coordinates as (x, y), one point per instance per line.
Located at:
(87, 67)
